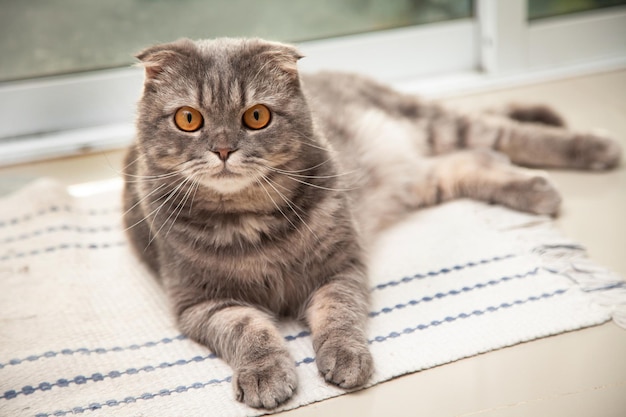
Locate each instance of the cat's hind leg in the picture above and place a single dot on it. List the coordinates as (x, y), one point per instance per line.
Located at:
(527, 144)
(546, 146)
(488, 176)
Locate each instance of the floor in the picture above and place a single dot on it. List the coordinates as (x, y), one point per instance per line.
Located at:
(581, 373)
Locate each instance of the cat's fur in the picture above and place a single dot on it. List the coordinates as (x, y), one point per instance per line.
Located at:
(279, 228)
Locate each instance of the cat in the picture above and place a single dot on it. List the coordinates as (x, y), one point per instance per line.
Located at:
(253, 191)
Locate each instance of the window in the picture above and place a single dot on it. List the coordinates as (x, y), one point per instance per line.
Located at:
(69, 36)
(538, 9)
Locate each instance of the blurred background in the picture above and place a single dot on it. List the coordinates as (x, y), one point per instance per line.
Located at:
(67, 36)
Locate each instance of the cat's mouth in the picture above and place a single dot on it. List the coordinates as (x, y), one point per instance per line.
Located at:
(226, 173)
(226, 180)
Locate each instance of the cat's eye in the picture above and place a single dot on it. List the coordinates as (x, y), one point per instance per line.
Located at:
(188, 119)
(257, 117)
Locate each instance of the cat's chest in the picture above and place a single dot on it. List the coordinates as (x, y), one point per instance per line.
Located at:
(244, 259)
(235, 230)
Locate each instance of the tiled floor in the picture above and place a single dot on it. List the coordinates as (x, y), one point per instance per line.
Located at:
(582, 373)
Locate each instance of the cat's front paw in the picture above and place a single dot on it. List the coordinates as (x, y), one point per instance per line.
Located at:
(266, 382)
(535, 194)
(345, 363)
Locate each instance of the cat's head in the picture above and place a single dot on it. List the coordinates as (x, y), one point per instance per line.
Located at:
(223, 112)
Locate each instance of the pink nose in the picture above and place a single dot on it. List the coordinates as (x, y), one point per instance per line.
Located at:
(223, 153)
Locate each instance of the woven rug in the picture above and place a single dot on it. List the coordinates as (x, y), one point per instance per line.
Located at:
(85, 329)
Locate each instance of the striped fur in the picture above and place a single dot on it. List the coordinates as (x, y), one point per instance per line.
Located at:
(281, 227)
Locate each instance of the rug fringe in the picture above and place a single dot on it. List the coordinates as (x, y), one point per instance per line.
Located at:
(557, 254)
(606, 288)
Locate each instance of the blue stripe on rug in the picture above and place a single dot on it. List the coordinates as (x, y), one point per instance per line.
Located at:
(430, 274)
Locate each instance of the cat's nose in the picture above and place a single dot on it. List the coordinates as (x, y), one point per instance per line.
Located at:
(223, 153)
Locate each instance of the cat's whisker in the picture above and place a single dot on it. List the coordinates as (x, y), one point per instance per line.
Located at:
(154, 213)
(154, 179)
(165, 194)
(290, 204)
(309, 168)
(313, 141)
(276, 183)
(193, 197)
(307, 143)
(116, 170)
(321, 187)
(275, 204)
(190, 190)
(265, 163)
(125, 167)
(140, 178)
(143, 198)
(174, 194)
(280, 171)
(297, 178)
(258, 181)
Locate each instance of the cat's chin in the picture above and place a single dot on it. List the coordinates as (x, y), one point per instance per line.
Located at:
(227, 184)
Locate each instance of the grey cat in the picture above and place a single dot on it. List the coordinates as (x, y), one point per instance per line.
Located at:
(253, 191)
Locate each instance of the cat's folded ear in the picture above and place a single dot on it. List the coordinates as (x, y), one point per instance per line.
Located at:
(158, 59)
(285, 57)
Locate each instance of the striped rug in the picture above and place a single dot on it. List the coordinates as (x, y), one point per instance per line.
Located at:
(85, 329)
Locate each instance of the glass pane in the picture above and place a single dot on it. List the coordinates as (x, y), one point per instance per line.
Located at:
(66, 36)
(548, 8)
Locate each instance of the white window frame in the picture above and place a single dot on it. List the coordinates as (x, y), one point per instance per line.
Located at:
(512, 44)
(514, 51)
(94, 111)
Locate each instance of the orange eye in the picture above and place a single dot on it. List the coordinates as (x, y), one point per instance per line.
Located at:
(257, 117)
(188, 119)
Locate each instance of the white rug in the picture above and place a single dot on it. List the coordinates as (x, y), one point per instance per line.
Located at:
(84, 329)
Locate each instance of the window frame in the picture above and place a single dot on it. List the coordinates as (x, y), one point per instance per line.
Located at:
(513, 44)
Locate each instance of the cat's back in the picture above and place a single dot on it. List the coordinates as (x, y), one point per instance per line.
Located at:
(360, 116)
(379, 136)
